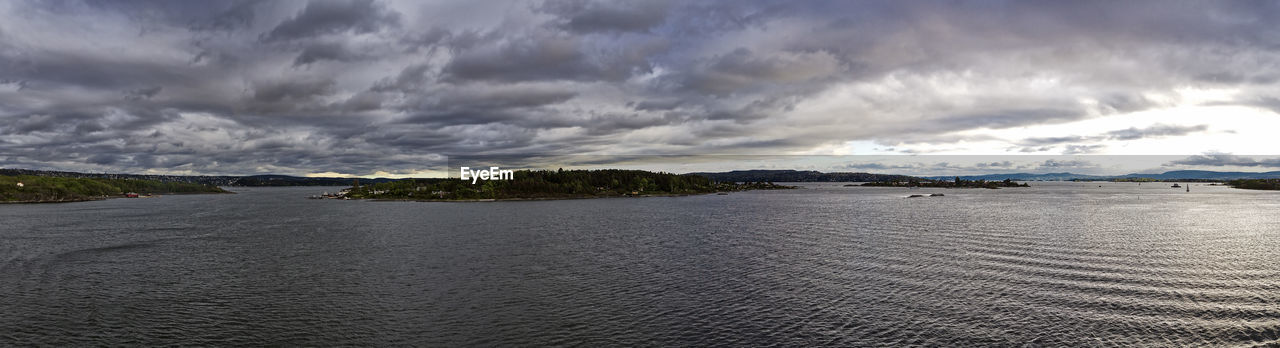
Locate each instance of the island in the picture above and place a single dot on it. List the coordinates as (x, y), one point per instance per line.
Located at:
(43, 189)
(957, 183)
(553, 184)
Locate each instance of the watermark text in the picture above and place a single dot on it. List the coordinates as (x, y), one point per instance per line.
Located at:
(493, 173)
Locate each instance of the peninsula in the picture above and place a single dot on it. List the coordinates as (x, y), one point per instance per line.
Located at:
(44, 189)
(557, 184)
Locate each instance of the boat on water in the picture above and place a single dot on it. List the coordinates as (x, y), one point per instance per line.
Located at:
(1176, 186)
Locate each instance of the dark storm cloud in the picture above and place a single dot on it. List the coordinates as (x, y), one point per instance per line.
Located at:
(334, 17)
(410, 79)
(1131, 133)
(1082, 149)
(614, 123)
(602, 16)
(1005, 118)
(325, 51)
(1159, 130)
(1053, 140)
(655, 105)
(359, 86)
(292, 90)
(483, 104)
(1032, 149)
(742, 69)
(1001, 164)
(143, 93)
(875, 166)
(1266, 102)
(545, 55)
(195, 15)
(1065, 164)
(52, 70)
(902, 139)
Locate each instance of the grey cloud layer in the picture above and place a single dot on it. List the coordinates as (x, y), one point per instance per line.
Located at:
(358, 86)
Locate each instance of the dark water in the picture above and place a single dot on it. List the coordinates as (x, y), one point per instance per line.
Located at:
(1057, 264)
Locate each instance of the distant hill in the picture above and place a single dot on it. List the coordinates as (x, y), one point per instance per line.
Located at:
(801, 176)
(1171, 175)
(251, 180)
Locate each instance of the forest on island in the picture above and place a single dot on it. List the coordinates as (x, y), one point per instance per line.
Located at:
(550, 184)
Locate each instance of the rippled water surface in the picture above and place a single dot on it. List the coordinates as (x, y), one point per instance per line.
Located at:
(1055, 264)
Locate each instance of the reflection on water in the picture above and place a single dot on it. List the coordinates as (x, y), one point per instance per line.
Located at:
(1055, 264)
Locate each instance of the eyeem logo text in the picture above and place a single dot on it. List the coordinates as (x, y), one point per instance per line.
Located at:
(493, 173)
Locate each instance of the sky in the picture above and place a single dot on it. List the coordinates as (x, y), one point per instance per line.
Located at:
(410, 88)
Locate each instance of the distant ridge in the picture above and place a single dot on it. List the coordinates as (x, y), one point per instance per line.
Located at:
(216, 180)
(761, 175)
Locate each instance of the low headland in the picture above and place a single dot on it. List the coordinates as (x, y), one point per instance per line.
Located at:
(43, 189)
(557, 184)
